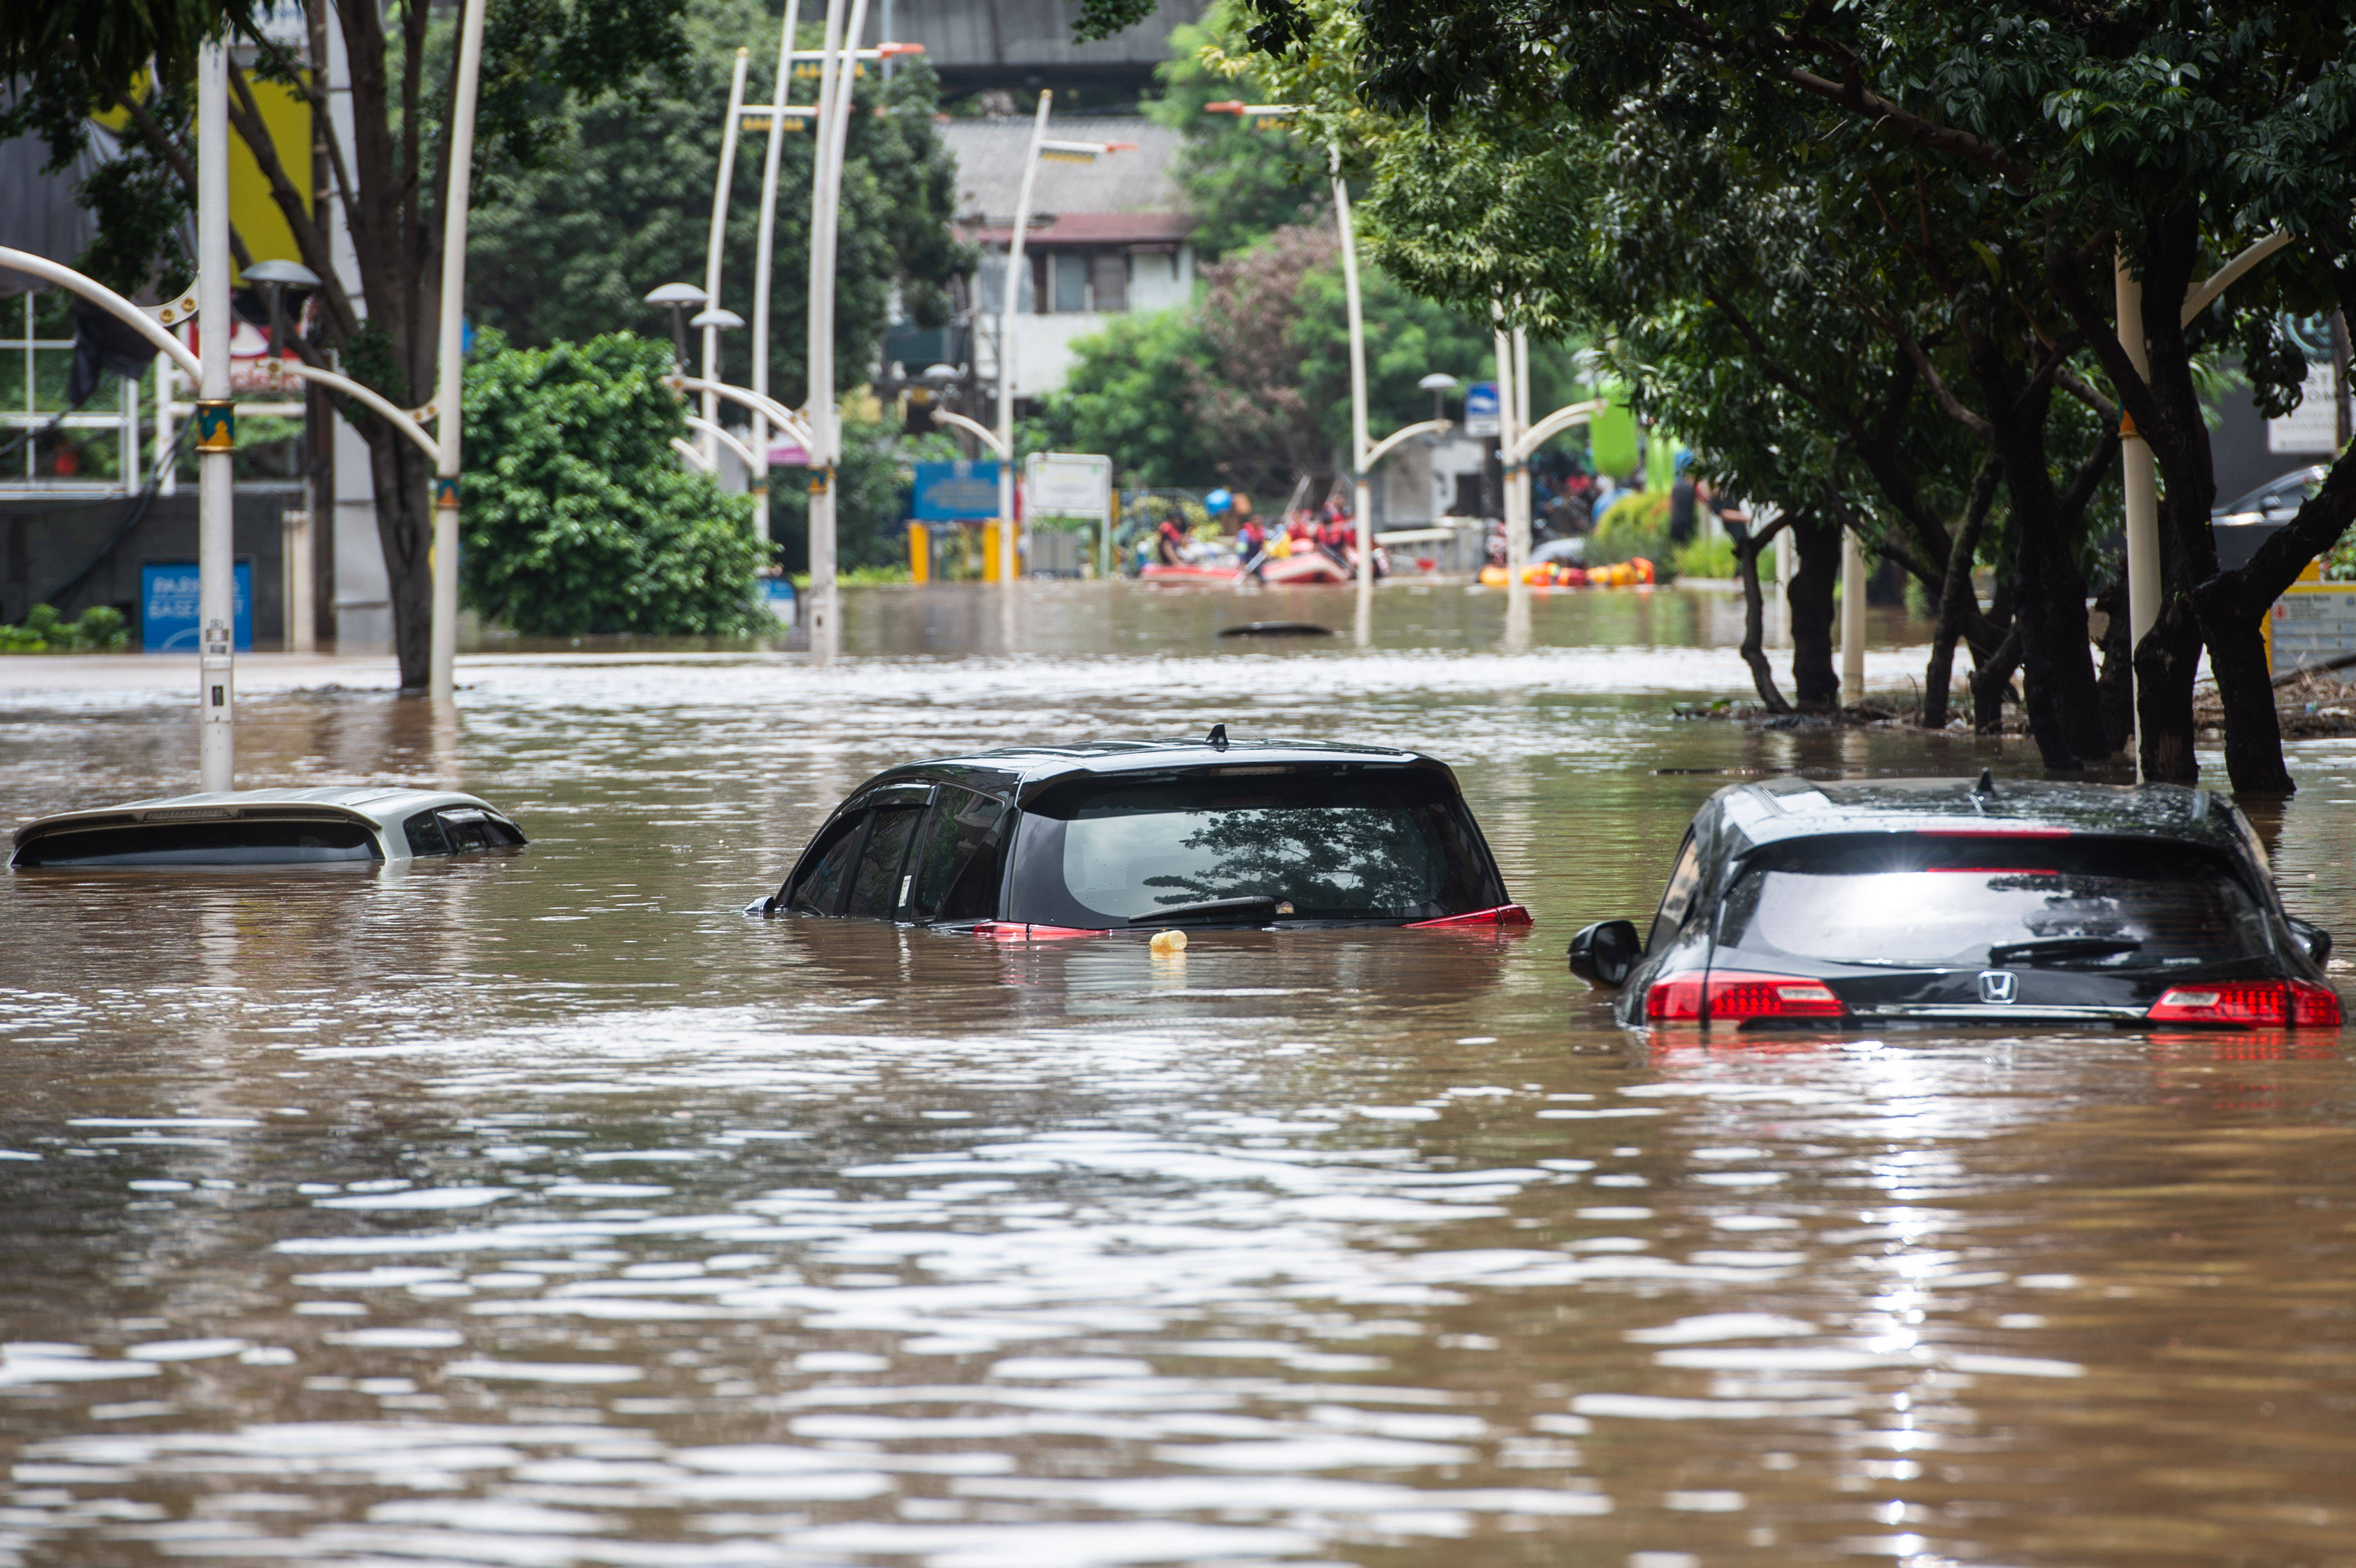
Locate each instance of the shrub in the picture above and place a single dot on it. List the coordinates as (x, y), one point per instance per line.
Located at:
(578, 514)
(101, 630)
(1704, 558)
(1632, 526)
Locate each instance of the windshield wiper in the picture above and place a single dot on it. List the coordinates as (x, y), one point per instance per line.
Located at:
(2052, 947)
(1207, 908)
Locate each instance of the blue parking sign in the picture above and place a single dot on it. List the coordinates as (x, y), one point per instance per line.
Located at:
(168, 607)
(954, 492)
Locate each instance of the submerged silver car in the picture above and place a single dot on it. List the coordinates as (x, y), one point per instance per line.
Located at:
(362, 824)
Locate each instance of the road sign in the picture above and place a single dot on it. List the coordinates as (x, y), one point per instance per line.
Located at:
(1068, 484)
(168, 607)
(1481, 409)
(955, 492)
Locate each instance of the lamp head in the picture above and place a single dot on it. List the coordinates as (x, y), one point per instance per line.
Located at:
(676, 295)
(939, 375)
(1437, 382)
(285, 274)
(716, 317)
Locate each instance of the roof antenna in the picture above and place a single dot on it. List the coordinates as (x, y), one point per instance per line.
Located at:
(1986, 787)
(1218, 738)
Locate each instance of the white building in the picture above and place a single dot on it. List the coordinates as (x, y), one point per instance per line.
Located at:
(1106, 238)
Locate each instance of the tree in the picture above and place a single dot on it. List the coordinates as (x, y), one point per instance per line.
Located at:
(2170, 133)
(1243, 179)
(578, 517)
(566, 247)
(390, 181)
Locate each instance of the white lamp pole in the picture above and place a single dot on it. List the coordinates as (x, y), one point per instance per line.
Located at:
(1007, 297)
(216, 432)
(712, 254)
(1361, 491)
(1511, 402)
(834, 103)
(1852, 619)
(448, 416)
(764, 255)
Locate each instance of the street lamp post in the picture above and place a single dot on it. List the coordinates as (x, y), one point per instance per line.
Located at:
(835, 97)
(678, 299)
(448, 413)
(216, 432)
(715, 243)
(1010, 296)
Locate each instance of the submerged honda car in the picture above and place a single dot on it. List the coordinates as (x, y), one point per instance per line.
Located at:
(1941, 900)
(1079, 840)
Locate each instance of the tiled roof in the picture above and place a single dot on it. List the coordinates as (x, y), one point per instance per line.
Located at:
(990, 153)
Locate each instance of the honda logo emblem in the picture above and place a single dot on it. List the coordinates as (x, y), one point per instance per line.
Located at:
(1999, 985)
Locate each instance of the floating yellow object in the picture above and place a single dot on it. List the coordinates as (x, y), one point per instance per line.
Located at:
(1168, 943)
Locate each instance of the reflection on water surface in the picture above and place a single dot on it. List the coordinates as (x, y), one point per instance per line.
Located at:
(547, 1212)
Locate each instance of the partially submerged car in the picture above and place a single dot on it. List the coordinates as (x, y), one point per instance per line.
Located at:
(1153, 835)
(1945, 900)
(366, 823)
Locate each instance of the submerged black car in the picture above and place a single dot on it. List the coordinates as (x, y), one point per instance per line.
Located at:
(1942, 900)
(1076, 841)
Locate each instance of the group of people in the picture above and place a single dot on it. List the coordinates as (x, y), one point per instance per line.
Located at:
(1328, 528)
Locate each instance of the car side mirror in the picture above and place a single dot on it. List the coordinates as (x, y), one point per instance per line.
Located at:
(1603, 954)
(2312, 937)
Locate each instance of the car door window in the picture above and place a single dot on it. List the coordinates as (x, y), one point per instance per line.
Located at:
(877, 886)
(826, 868)
(1685, 880)
(956, 873)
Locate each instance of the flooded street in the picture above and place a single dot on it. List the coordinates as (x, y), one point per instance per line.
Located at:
(544, 1211)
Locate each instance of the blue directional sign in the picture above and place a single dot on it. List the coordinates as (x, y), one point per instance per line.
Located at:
(955, 492)
(168, 607)
(1481, 409)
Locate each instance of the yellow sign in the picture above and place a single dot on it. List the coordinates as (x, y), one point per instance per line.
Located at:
(286, 114)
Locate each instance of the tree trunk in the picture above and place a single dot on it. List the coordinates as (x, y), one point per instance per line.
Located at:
(404, 527)
(1746, 568)
(1816, 684)
(1992, 682)
(1957, 600)
(2041, 656)
(2237, 657)
(2164, 664)
(2114, 686)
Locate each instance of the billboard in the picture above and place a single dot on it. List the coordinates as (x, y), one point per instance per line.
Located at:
(955, 492)
(168, 607)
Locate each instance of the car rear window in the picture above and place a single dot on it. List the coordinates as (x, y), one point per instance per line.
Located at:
(1393, 845)
(241, 842)
(1940, 900)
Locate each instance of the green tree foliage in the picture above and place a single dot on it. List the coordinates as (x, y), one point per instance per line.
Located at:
(870, 486)
(618, 198)
(1130, 394)
(578, 516)
(1243, 179)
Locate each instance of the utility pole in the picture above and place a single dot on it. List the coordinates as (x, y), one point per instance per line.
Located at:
(216, 432)
(449, 414)
(1007, 297)
(834, 100)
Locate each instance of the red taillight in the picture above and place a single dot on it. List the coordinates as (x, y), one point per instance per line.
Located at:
(1734, 996)
(2301, 1004)
(1016, 931)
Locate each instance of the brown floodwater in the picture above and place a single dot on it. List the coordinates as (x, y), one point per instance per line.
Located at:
(543, 1210)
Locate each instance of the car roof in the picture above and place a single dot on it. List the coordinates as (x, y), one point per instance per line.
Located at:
(1028, 767)
(380, 805)
(1781, 809)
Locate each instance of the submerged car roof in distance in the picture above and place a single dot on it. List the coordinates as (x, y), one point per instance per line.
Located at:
(381, 806)
(1774, 810)
(1028, 767)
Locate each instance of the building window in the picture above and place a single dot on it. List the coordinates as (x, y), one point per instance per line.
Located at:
(1109, 270)
(1071, 283)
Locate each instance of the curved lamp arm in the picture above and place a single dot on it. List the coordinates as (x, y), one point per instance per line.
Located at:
(375, 401)
(2230, 273)
(106, 299)
(687, 450)
(1384, 447)
(726, 440)
(787, 421)
(1553, 424)
(975, 428)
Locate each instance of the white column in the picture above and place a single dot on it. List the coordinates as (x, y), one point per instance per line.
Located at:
(764, 257)
(711, 255)
(2138, 476)
(167, 387)
(1362, 500)
(1524, 510)
(1008, 297)
(1787, 558)
(216, 432)
(1852, 619)
(448, 416)
(1510, 405)
(295, 531)
(833, 125)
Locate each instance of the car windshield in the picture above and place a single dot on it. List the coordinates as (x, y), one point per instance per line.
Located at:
(1977, 900)
(1271, 844)
(2285, 494)
(249, 842)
